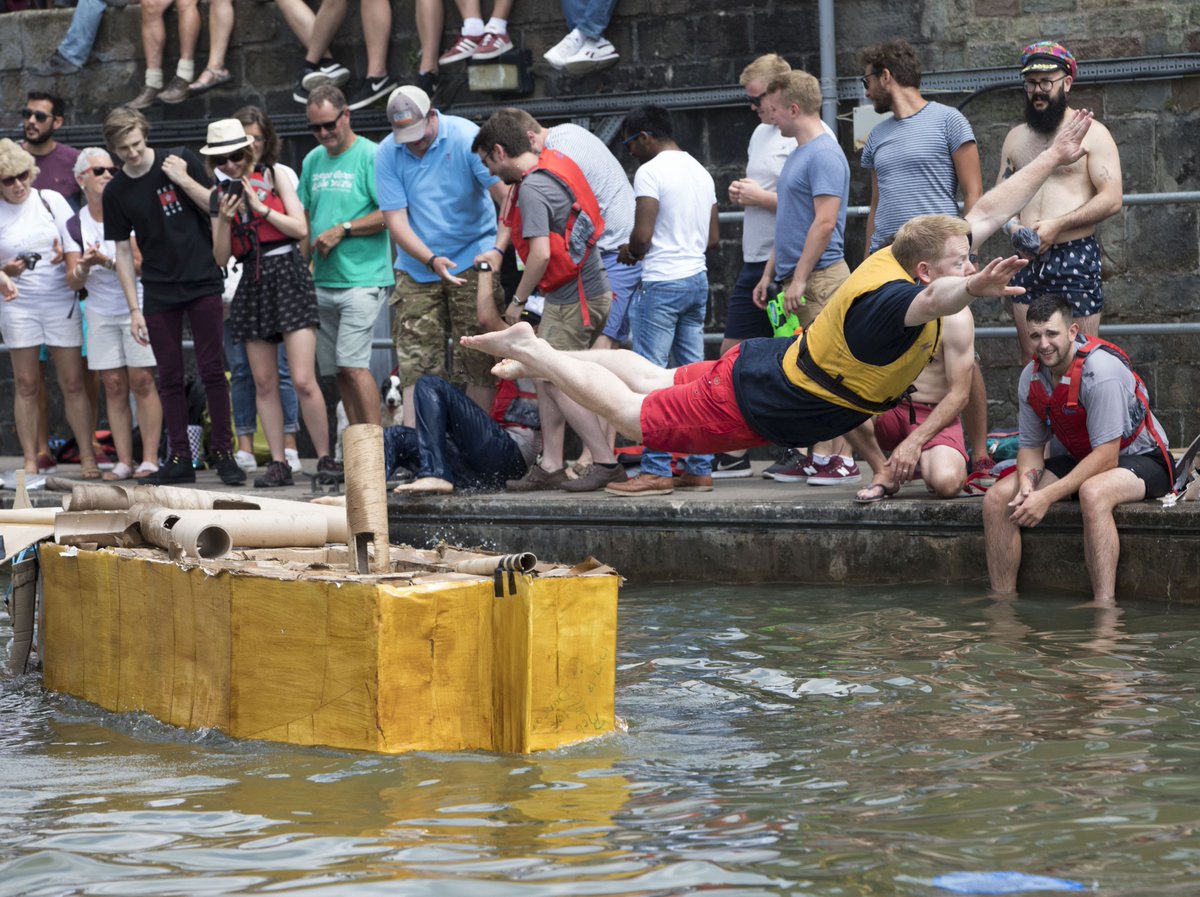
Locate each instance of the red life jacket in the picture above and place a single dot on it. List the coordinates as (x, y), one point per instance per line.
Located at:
(514, 406)
(1067, 419)
(570, 249)
(257, 234)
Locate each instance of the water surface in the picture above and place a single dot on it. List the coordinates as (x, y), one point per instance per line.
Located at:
(782, 741)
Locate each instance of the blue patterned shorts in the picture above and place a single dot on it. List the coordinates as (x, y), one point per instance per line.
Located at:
(1071, 270)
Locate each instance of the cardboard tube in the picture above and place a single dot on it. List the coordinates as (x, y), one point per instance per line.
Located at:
(366, 498)
(486, 566)
(111, 497)
(29, 516)
(213, 534)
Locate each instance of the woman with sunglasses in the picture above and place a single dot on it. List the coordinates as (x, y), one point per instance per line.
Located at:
(122, 362)
(258, 219)
(37, 252)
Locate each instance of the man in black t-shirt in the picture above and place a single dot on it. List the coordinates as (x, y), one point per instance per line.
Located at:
(163, 197)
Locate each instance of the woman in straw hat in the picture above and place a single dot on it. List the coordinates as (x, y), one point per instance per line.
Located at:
(258, 219)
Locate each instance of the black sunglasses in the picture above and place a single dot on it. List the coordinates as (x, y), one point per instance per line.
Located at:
(9, 181)
(99, 170)
(755, 102)
(34, 113)
(318, 126)
(866, 79)
(235, 156)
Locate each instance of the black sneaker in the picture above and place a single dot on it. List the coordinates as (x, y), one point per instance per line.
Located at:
(428, 82)
(300, 92)
(330, 470)
(368, 90)
(228, 470)
(728, 467)
(327, 71)
(278, 474)
(175, 470)
(791, 459)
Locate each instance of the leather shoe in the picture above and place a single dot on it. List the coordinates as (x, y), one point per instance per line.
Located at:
(642, 484)
(690, 482)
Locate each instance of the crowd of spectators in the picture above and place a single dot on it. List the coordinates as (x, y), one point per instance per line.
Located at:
(428, 215)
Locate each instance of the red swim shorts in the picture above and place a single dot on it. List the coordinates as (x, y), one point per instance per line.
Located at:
(893, 426)
(698, 415)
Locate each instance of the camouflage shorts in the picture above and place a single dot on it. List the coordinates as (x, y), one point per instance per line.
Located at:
(426, 318)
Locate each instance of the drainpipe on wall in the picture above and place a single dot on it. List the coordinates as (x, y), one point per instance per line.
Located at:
(829, 87)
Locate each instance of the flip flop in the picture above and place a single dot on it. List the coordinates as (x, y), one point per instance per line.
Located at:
(875, 492)
(219, 77)
(120, 471)
(145, 469)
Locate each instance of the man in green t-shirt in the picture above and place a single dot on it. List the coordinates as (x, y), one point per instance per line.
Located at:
(349, 249)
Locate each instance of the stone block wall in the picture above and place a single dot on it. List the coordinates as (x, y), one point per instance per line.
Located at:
(1151, 254)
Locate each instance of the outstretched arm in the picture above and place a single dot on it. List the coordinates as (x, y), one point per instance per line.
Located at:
(948, 295)
(1010, 196)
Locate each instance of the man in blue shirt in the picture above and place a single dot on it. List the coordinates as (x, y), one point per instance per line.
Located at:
(439, 204)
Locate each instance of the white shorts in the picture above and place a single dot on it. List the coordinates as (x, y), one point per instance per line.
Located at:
(111, 345)
(24, 323)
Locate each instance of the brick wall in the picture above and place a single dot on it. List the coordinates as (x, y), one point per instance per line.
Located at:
(1151, 254)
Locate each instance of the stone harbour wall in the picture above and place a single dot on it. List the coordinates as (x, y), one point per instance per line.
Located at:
(1151, 253)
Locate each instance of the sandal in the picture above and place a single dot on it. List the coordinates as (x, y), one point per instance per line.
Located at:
(145, 469)
(216, 77)
(120, 471)
(90, 472)
(875, 492)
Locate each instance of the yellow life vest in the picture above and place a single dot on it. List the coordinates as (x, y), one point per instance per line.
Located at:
(821, 363)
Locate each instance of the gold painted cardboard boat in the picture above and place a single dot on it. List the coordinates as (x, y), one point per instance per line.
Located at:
(360, 645)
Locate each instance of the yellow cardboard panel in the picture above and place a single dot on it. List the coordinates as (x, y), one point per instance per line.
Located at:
(63, 633)
(510, 671)
(303, 662)
(100, 608)
(462, 666)
(406, 644)
(573, 660)
(146, 637)
(203, 674)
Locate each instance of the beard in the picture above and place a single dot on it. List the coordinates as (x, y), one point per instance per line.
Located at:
(1046, 121)
(35, 139)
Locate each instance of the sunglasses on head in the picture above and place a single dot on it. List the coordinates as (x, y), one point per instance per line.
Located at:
(318, 126)
(99, 170)
(235, 156)
(34, 113)
(9, 181)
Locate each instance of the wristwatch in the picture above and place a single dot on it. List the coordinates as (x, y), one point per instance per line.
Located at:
(516, 301)
(346, 228)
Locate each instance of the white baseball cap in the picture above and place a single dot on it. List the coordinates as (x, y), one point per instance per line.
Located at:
(407, 108)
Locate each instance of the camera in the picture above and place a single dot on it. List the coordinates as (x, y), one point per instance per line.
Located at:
(30, 259)
(233, 188)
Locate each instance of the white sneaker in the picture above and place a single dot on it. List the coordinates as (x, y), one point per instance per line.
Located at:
(558, 55)
(595, 54)
(293, 459)
(246, 462)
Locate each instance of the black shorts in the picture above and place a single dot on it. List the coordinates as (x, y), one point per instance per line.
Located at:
(1150, 468)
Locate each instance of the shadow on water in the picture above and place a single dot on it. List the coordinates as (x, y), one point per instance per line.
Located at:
(782, 740)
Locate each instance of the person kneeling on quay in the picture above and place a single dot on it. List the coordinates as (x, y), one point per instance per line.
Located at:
(1083, 392)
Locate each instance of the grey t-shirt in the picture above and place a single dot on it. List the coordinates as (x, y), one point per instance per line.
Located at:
(1106, 393)
(545, 204)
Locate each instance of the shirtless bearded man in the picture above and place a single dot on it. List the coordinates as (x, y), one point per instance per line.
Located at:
(1056, 229)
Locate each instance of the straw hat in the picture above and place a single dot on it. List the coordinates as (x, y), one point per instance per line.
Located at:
(224, 137)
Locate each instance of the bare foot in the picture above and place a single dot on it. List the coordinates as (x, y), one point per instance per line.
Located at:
(425, 486)
(338, 501)
(506, 343)
(508, 369)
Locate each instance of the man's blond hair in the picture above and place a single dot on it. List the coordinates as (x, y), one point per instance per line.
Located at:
(122, 121)
(765, 69)
(798, 87)
(923, 239)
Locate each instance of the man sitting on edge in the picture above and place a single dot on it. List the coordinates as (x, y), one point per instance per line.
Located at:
(1082, 391)
(858, 358)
